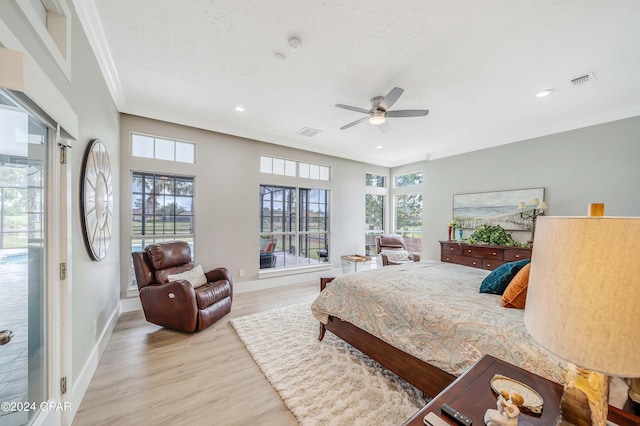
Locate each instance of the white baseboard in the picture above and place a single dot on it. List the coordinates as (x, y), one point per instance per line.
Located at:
(283, 280)
(81, 383)
(130, 304)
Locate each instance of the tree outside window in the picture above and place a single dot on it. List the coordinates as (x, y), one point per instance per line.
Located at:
(409, 220)
(374, 221)
(409, 179)
(162, 207)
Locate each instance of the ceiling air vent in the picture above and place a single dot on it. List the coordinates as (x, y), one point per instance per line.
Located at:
(583, 79)
(308, 132)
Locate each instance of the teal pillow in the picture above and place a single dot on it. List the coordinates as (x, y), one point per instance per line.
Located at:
(498, 280)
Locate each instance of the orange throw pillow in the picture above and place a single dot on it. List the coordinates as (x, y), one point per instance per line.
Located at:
(515, 295)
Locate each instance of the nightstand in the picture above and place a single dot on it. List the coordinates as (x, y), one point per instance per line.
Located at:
(471, 394)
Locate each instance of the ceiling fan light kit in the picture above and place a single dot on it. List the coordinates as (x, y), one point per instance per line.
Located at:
(379, 111)
(377, 117)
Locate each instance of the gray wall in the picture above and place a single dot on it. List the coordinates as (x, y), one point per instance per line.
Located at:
(227, 181)
(94, 285)
(597, 164)
(594, 164)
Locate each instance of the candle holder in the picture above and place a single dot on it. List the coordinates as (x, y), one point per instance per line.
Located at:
(537, 210)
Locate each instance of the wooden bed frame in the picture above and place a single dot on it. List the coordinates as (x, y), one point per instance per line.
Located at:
(429, 379)
(424, 376)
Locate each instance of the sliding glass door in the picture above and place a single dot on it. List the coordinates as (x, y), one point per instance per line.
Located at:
(23, 307)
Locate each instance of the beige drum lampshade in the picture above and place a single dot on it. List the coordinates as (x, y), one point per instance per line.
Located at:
(583, 300)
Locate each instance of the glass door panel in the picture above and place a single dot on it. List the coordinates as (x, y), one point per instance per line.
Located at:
(23, 362)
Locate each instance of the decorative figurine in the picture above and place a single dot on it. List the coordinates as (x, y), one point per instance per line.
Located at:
(506, 414)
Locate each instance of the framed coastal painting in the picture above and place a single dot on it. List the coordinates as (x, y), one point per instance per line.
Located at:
(494, 208)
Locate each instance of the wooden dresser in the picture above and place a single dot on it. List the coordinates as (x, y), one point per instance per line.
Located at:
(481, 256)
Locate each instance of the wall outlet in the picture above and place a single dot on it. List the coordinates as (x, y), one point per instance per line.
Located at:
(95, 328)
(241, 273)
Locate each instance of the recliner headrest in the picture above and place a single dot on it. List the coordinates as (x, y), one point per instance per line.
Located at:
(168, 255)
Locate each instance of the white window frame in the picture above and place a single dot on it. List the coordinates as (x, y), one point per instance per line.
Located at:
(406, 190)
(297, 234)
(292, 168)
(175, 143)
(395, 179)
(158, 238)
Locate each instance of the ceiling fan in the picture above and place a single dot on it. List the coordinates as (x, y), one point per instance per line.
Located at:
(379, 111)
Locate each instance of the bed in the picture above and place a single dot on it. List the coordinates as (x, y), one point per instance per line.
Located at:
(428, 323)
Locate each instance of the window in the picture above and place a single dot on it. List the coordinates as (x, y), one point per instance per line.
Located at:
(409, 179)
(294, 226)
(374, 221)
(314, 171)
(409, 220)
(162, 149)
(162, 210)
(375, 181)
(282, 167)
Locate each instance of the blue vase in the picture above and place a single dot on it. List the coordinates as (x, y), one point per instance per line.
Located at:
(460, 234)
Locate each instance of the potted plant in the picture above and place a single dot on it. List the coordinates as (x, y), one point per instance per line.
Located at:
(492, 234)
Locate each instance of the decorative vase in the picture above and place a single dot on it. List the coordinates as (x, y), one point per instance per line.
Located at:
(453, 233)
(449, 235)
(460, 234)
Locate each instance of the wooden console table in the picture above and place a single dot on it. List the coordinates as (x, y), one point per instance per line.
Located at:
(481, 256)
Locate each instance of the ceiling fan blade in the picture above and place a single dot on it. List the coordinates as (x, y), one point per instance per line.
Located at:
(352, 108)
(391, 98)
(408, 113)
(384, 127)
(346, 126)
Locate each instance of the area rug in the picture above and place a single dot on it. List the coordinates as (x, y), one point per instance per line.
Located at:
(328, 382)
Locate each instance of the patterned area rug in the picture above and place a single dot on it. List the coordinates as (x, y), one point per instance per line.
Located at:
(328, 382)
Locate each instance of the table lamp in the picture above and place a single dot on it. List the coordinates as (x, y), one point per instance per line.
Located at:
(583, 305)
(532, 213)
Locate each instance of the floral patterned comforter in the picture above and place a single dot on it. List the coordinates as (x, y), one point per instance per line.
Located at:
(433, 311)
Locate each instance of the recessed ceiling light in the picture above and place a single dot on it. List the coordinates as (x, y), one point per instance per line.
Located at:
(545, 92)
(240, 108)
(379, 147)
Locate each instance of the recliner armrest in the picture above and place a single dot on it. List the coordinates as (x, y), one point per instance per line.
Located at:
(415, 257)
(218, 274)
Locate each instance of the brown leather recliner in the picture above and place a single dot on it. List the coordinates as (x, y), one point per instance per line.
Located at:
(393, 243)
(176, 304)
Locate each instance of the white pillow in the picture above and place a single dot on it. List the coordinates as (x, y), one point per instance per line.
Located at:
(396, 255)
(195, 276)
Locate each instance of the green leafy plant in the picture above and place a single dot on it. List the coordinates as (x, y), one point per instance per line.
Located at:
(492, 234)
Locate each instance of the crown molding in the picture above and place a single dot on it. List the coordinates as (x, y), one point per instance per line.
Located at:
(90, 20)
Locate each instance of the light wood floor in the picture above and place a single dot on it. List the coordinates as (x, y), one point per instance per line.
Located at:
(152, 376)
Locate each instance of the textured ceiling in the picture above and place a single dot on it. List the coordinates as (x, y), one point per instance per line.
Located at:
(475, 65)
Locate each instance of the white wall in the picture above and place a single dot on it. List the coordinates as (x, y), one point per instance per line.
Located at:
(597, 164)
(227, 181)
